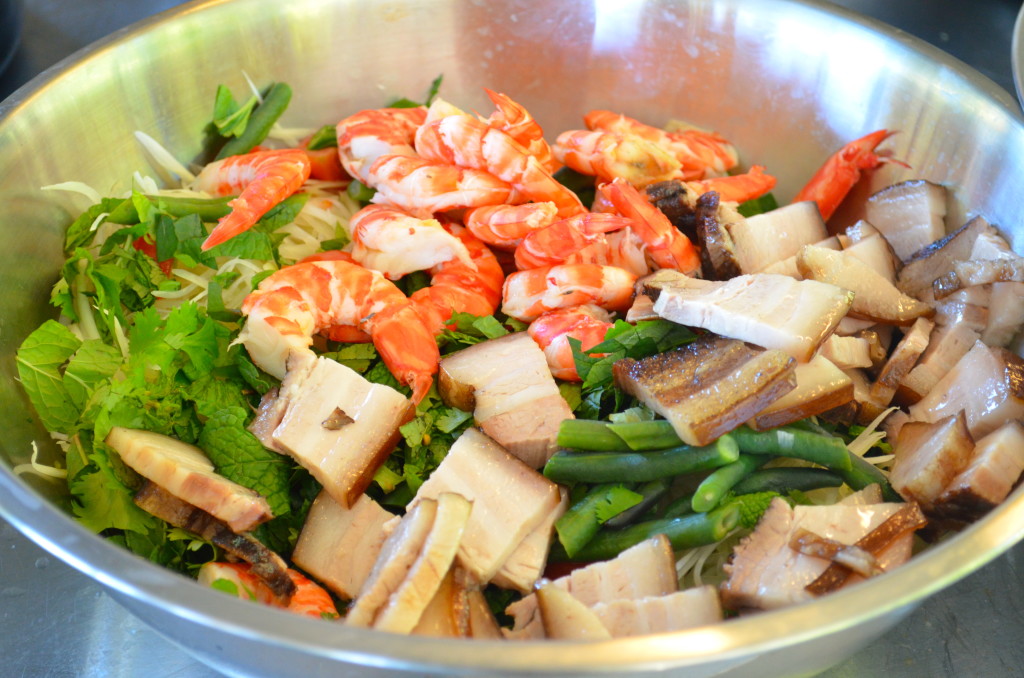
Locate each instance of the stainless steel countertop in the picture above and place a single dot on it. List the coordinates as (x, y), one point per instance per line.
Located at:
(56, 622)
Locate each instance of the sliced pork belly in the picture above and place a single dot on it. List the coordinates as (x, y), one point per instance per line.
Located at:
(994, 372)
(337, 425)
(766, 573)
(526, 563)
(773, 237)
(771, 311)
(993, 471)
(1005, 313)
(565, 617)
(911, 215)
(186, 472)
(510, 500)
(947, 344)
(788, 266)
(634, 617)
(901, 361)
(991, 260)
(929, 456)
(846, 352)
(339, 546)
(937, 259)
(820, 386)
(876, 253)
(507, 385)
(708, 387)
(458, 610)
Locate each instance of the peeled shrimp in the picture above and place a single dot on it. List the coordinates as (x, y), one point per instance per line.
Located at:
(464, 141)
(622, 248)
(456, 286)
(555, 243)
(513, 119)
(505, 226)
(262, 180)
(528, 294)
(308, 599)
(392, 241)
(552, 330)
(610, 155)
(666, 245)
(739, 187)
(292, 304)
(370, 134)
(422, 187)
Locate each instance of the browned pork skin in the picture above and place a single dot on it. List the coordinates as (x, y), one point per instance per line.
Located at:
(993, 471)
(946, 345)
(820, 386)
(849, 556)
(917, 275)
(911, 215)
(708, 387)
(266, 564)
(458, 610)
(902, 360)
(929, 456)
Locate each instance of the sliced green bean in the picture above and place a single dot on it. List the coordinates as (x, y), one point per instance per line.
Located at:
(359, 191)
(208, 209)
(685, 532)
(589, 434)
(275, 101)
(713, 488)
(651, 493)
(646, 435)
(788, 441)
(863, 473)
(583, 519)
(680, 506)
(786, 479)
(639, 467)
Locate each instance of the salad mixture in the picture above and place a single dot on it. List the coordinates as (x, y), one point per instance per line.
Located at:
(425, 372)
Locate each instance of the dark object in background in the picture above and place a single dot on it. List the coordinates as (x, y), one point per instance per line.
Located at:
(10, 29)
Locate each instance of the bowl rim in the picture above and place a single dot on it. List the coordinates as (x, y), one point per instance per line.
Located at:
(151, 585)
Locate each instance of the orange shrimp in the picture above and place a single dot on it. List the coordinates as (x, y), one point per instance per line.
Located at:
(392, 241)
(505, 226)
(262, 180)
(370, 134)
(460, 287)
(555, 243)
(324, 163)
(666, 245)
(513, 119)
(422, 187)
(610, 155)
(464, 141)
(739, 187)
(841, 171)
(309, 598)
(552, 330)
(292, 304)
(528, 294)
(622, 248)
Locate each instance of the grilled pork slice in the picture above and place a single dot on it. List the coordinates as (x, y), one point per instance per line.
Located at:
(507, 385)
(875, 298)
(1005, 313)
(847, 352)
(186, 472)
(643, 570)
(458, 610)
(673, 612)
(266, 564)
(946, 345)
(901, 361)
(874, 251)
(788, 266)
(766, 573)
(991, 260)
(993, 371)
(510, 500)
(820, 386)
(929, 456)
(338, 425)
(524, 565)
(937, 259)
(566, 618)
(993, 471)
(911, 215)
(338, 546)
(772, 311)
(708, 387)
(773, 237)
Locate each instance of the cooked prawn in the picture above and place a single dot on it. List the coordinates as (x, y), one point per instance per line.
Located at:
(309, 598)
(464, 141)
(622, 248)
(666, 245)
(513, 119)
(610, 155)
(555, 243)
(392, 241)
(261, 179)
(292, 304)
(505, 226)
(370, 134)
(841, 171)
(422, 187)
(552, 330)
(456, 286)
(738, 187)
(528, 294)
(324, 163)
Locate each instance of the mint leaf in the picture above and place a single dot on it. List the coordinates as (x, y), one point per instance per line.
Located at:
(93, 363)
(229, 117)
(40, 359)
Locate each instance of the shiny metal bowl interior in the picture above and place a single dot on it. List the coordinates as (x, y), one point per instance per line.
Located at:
(787, 81)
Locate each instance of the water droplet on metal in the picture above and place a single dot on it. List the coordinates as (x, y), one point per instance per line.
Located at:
(42, 562)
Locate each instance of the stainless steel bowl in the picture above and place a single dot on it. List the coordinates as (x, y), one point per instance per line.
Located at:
(787, 81)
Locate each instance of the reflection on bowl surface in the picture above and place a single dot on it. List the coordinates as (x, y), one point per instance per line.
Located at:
(776, 77)
(10, 30)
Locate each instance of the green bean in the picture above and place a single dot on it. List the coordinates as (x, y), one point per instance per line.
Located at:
(651, 493)
(581, 522)
(863, 473)
(646, 435)
(786, 479)
(680, 506)
(683, 533)
(713, 488)
(788, 441)
(639, 467)
(589, 434)
(275, 101)
(359, 191)
(208, 209)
